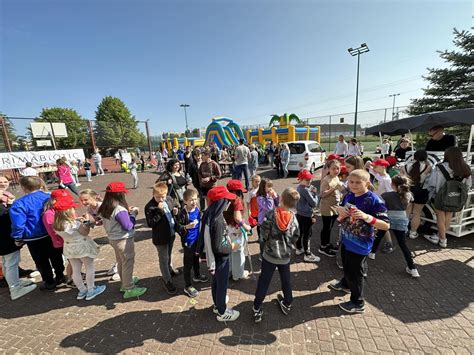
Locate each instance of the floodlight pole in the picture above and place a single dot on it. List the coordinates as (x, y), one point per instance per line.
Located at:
(91, 132)
(53, 137)
(185, 115)
(357, 52)
(393, 107)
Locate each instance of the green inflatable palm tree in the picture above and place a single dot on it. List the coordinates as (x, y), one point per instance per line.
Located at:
(284, 120)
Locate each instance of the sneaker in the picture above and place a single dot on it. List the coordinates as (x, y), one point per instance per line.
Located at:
(70, 283)
(299, 251)
(60, 280)
(443, 243)
(200, 278)
(134, 292)
(327, 251)
(170, 288)
(245, 276)
(97, 290)
(35, 273)
(229, 315)
(413, 235)
(257, 315)
(191, 291)
(20, 291)
(3, 283)
(334, 248)
(116, 277)
(47, 287)
(113, 270)
(337, 286)
(135, 280)
(214, 308)
(388, 248)
(412, 272)
(81, 295)
(311, 258)
(351, 307)
(25, 272)
(284, 308)
(26, 282)
(433, 238)
(371, 256)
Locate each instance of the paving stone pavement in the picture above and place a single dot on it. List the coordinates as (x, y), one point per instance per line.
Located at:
(433, 314)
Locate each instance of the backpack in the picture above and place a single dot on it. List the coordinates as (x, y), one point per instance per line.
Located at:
(453, 194)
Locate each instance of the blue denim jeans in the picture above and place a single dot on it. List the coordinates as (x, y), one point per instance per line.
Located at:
(237, 174)
(10, 268)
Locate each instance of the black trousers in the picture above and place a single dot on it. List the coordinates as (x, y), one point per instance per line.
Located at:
(220, 281)
(355, 266)
(190, 261)
(378, 238)
(47, 258)
(328, 223)
(402, 243)
(265, 278)
(305, 224)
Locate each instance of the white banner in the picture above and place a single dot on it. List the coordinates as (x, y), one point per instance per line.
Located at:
(17, 160)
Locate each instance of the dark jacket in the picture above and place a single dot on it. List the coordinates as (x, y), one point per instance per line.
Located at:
(7, 244)
(194, 173)
(156, 219)
(182, 219)
(214, 218)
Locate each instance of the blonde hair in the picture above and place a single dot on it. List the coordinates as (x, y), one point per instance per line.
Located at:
(160, 188)
(189, 193)
(61, 218)
(255, 177)
(33, 183)
(360, 174)
(290, 197)
(91, 193)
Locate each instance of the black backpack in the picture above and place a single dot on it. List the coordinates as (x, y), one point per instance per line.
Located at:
(453, 194)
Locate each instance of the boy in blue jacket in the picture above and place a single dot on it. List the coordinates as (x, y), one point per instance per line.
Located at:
(28, 228)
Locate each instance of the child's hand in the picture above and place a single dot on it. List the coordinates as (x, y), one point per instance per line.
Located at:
(161, 205)
(175, 211)
(134, 210)
(342, 212)
(358, 214)
(313, 220)
(206, 179)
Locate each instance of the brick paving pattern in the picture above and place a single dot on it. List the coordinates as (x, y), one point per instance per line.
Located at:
(433, 314)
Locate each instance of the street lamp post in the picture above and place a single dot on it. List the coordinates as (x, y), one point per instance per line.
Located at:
(357, 52)
(393, 107)
(185, 115)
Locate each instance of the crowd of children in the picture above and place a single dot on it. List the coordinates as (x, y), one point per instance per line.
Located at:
(361, 198)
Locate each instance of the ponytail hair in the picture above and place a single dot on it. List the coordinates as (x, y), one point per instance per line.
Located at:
(402, 184)
(415, 172)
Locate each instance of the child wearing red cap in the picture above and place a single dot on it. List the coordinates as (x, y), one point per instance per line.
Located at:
(119, 222)
(331, 188)
(235, 221)
(218, 247)
(78, 247)
(305, 215)
(382, 184)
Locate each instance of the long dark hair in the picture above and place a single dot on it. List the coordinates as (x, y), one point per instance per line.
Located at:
(263, 185)
(402, 184)
(229, 213)
(453, 156)
(356, 161)
(415, 172)
(110, 202)
(170, 163)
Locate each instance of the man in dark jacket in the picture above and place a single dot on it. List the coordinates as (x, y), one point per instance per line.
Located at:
(160, 216)
(218, 247)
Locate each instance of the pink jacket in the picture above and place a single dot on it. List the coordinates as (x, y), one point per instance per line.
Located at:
(48, 220)
(64, 174)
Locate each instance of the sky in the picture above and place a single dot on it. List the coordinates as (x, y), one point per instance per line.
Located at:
(241, 59)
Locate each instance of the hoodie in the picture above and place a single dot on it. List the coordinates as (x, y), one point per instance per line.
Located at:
(279, 231)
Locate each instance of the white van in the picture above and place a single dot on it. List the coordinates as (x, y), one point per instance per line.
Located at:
(307, 155)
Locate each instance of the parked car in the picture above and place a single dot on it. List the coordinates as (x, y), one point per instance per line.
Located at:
(306, 155)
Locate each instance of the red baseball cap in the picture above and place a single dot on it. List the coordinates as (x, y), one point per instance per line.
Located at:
(343, 169)
(381, 162)
(116, 187)
(64, 203)
(391, 160)
(220, 192)
(235, 185)
(61, 193)
(333, 156)
(305, 175)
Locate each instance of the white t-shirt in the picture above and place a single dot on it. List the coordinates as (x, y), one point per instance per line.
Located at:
(242, 154)
(341, 148)
(29, 172)
(383, 183)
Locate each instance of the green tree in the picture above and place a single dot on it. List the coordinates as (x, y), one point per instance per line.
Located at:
(451, 87)
(115, 125)
(76, 126)
(12, 136)
(284, 120)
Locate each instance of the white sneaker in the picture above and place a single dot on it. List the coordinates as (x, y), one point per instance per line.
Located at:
(20, 291)
(413, 235)
(246, 274)
(311, 258)
(443, 243)
(229, 315)
(412, 272)
(434, 238)
(214, 309)
(299, 251)
(116, 277)
(26, 282)
(113, 270)
(371, 256)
